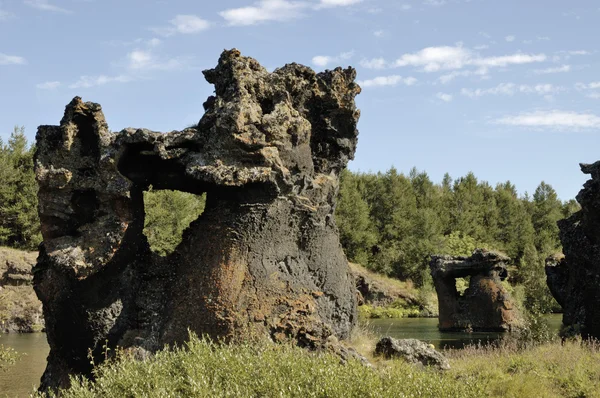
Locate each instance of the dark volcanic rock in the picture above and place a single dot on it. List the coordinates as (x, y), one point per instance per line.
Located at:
(575, 280)
(413, 351)
(263, 260)
(485, 305)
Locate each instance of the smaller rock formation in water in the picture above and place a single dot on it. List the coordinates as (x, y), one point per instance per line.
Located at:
(20, 310)
(413, 351)
(574, 280)
(486, 305)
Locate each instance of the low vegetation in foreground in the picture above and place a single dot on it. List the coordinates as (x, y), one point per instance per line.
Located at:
(205, 369)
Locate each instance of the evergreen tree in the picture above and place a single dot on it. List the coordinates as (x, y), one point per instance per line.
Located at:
(168, 214)
(547, 210)
(19, 222)
(357, 233)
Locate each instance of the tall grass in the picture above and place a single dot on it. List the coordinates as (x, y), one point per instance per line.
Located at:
(205, 369)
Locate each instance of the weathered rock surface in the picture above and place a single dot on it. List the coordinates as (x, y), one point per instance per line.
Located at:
(373, 289)
(15, 267)
(20, 310)
(575, 280)
(263, 260)
(412, 350)
(485, 305)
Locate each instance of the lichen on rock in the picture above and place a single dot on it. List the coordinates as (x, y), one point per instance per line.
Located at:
(262, 261)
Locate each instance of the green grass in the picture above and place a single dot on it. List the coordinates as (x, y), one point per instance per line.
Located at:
(369, 312)
(205, 369)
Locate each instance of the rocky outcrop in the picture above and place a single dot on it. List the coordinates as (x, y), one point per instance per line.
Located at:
(15, 267)
(575, 279)
(485, 305)
(20, 310)
(375, 289)
(413, 351)
(263, 260)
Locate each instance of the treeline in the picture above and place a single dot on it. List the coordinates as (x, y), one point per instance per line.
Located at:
(391, 223)
(19, 223)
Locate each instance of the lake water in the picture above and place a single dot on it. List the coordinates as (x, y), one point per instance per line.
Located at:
(19, 380)
(426, 329)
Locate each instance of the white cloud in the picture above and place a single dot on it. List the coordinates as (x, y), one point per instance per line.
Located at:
(505, 60)
(460, 61)
(336, 3)
(324, 60)
(44, 5)
(184, 24)
(11, 60)
(154, 42)
(558, 69)
(187, 24)
(378, 33)
(510, 38)
(511, 89)
(579, 52)
(594, 95)
(263, 11)
(554, 119)
(392, 80)
(434, 3)
(444, 97)
(405, 7)
(144, 60)
(92, 81)
(4, 15)
(432, 59)
(481, 47)
(48, 85)
(589, 86)
(375, 63)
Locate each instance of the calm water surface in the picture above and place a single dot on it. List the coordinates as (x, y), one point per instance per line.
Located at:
(426, 329)
(20, 379)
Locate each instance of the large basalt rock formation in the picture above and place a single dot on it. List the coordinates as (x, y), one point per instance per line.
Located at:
(263, 260)
(485, 305)
(575, 279)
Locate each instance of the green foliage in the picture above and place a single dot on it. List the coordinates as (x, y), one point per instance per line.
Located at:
(168, 214)
(19, 223)
(458, 244)
(392, 223)
(8, 357)
(357, 234)
(397, 309)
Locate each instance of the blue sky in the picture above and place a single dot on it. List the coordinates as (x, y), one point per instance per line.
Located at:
(507, 89)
